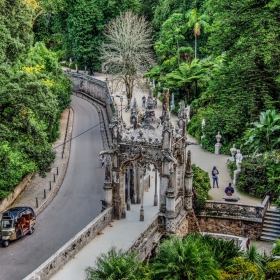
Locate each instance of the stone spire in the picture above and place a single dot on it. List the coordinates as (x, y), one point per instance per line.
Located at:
(189, 164)
(149, 117)
(134, 114)
(188, 183)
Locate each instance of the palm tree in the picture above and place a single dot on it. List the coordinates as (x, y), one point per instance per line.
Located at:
(117, 265)
(264, 136)
(184, 259)
(189, 73)
(196, 21)
(255, 258)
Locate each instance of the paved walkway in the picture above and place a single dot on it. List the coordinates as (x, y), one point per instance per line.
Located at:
(200, 157)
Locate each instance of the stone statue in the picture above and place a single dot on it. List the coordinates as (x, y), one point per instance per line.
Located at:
(165, 101)
(238, 159)
(188, 110)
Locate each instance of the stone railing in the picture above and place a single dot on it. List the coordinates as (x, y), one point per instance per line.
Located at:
(240, 242)
(71, 248)
(147, 240)
(97, 89)
(232, 210)
(98, 93)
(178, 204)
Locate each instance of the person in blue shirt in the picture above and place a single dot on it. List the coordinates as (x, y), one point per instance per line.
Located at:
(229, 190)
(215, 173)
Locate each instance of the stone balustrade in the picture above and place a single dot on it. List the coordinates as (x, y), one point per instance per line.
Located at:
(71, 248)
(147, 240)
(232, 210)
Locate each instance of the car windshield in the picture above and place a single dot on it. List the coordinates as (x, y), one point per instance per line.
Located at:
(7, 223)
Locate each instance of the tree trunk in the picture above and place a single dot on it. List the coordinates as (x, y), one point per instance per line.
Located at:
(195, 46)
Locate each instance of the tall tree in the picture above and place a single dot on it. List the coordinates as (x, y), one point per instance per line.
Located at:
(82, 23)
(127, 50)
(246, 33)
(15, 30)
(197, 22)
(187, 74)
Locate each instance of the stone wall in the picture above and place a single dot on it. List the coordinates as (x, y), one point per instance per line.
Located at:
(238, 211)
(71, 248)
(147, 240)
(94, 87)
(229, 226)
(7, 201)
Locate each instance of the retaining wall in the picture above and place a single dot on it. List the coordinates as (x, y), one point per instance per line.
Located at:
(71, 248)
(7, 201)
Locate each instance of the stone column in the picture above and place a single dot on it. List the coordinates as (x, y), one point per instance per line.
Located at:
(108, 191)
(188, 184)
(137, 197)
(170, 205)
(156, 185)
(122, 196)
(142, 198)
(128, 190)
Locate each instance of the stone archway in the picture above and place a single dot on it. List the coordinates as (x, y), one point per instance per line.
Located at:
(157, 142)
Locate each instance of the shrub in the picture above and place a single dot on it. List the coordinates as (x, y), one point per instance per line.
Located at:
(240, 269)
(223, 251)
(118, 264)
(260, 175)
(201, 186)
(183, 259)
(272, 270)
(276, 248)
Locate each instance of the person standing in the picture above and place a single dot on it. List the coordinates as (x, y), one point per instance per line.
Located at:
(155, 103)
(229, 190)
(215, 173)
(143, 101)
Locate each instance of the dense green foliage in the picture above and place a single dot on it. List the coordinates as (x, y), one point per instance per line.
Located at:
(32, 95)
(276, 248)
(189, 258)
(193, 257)
(247, 83)
(272, 270)
(81, 24)
(117, 264)
(201, 187)
(260, 176)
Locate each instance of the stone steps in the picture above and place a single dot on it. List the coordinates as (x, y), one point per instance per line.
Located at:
(271, 226)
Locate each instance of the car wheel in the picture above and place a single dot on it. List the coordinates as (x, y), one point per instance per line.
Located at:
(5, 243)
(31, 231)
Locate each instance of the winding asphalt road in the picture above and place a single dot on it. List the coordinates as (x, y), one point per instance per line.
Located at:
(76, 204)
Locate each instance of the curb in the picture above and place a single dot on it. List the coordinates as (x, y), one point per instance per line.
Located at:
(61, 176)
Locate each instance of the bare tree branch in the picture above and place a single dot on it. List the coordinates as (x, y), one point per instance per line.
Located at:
(128, 50)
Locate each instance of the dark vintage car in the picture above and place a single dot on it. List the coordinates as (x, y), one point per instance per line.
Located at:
(16, 222)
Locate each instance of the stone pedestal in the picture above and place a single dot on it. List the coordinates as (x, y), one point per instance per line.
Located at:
(217, 148)
(235, 176)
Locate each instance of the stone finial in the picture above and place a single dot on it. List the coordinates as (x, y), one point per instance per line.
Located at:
(135, 106)
(170, 189)
(165, 101)
(189, 164)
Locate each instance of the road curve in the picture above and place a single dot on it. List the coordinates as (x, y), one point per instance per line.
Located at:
(76, 204)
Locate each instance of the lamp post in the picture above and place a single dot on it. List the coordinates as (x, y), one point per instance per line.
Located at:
(121, 99)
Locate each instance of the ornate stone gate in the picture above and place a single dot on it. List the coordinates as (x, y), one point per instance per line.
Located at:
(140, 146)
